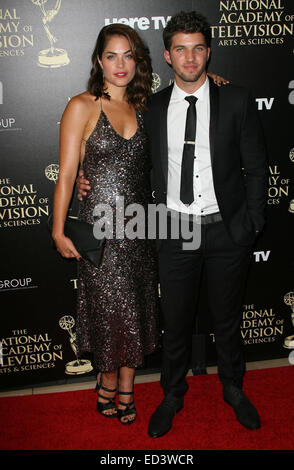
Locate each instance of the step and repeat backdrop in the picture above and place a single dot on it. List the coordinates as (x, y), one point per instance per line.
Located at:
(45, 50)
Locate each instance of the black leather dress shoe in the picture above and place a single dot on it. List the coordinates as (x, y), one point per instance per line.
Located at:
(161, 420)
(245, 412)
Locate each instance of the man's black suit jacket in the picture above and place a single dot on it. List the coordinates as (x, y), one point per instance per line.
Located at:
(238, 157)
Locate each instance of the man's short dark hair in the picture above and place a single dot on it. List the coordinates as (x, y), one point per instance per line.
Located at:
(186, 22)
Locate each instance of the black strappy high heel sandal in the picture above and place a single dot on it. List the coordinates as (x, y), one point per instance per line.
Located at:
(129, 410)
(109, 404)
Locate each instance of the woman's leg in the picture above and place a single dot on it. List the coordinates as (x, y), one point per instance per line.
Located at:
(126, 397)
(107, 380)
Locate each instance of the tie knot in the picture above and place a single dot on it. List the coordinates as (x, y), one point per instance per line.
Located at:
(191, 99)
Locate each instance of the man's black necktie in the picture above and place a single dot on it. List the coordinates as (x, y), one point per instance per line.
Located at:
(186, 192)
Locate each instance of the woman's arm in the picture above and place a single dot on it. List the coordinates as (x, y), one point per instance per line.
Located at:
(73, 122)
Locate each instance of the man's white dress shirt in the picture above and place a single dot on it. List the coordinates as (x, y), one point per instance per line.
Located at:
(204, 195)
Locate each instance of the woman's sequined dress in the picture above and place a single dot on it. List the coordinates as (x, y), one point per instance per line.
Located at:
(117, 314)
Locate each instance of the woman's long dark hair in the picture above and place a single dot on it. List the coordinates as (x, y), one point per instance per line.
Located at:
(140, 87)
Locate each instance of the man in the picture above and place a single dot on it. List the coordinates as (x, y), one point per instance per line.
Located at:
(208, 161)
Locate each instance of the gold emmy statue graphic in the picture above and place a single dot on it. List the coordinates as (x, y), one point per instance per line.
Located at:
(52, 172)
(289, 300)
(79, 366)
(52, 57)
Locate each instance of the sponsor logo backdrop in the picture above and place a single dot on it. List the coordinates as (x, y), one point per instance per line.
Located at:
(45, 49)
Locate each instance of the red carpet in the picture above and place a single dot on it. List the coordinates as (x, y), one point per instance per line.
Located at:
(69, 420)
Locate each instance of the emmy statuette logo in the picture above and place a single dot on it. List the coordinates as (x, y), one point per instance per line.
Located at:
(79, 366)
(52, 57)
(156, 82)
(289, 300)
(52, 172)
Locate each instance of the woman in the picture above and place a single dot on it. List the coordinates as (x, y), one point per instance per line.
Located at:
(102, 130)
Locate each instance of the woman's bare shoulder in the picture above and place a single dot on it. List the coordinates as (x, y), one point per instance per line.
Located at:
(80, 105)
(84, 97)
(82, 100)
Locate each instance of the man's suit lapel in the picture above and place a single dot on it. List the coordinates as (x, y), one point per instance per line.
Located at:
(214, 105)
(165, 99)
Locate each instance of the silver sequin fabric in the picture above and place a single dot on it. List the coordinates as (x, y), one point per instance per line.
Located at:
(117, 303)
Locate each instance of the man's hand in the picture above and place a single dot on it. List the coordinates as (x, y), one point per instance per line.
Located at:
(83, 185)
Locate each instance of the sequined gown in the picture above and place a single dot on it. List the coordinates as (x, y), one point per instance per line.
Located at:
(117, 303)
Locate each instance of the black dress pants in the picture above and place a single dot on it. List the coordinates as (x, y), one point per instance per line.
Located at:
(226, 265)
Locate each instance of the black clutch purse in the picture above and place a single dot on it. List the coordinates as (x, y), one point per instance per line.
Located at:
(81, 234)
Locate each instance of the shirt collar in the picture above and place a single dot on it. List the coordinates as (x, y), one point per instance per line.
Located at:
(179, 95)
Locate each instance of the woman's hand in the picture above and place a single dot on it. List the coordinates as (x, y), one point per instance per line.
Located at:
(218, 80)
(65, 247)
